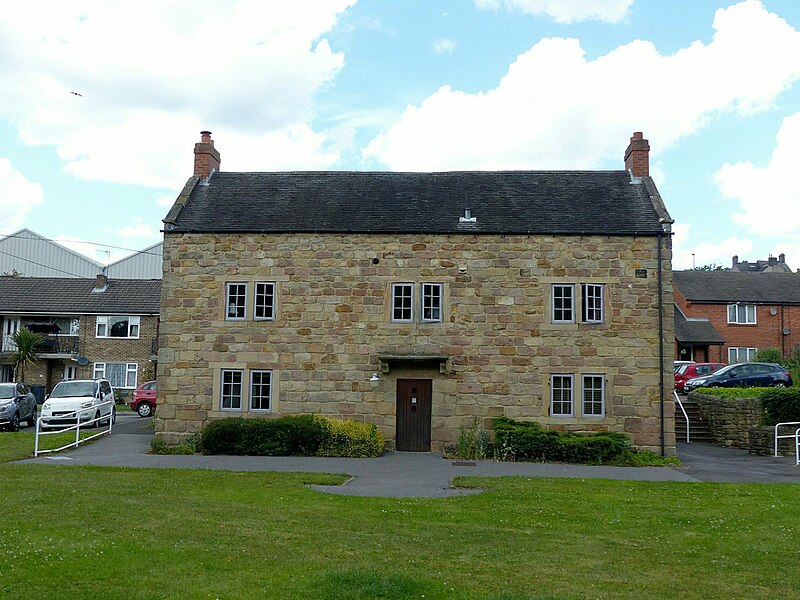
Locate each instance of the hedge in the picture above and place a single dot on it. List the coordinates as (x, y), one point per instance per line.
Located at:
(526, 440)
(293, 435)
(781, 405)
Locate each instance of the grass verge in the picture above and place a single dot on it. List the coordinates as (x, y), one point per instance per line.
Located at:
(137, 533)
(18, 445)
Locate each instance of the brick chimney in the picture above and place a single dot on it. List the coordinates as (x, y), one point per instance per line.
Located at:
(206, 157)
(637, 156)
(101, 284)
(735, 260)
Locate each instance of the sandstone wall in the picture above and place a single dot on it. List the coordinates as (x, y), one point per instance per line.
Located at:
(333, 322)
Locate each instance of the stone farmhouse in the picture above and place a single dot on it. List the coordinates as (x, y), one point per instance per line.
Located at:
(419, 301)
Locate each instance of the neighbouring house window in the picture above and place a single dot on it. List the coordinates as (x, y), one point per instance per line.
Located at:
(594, 395)
(432, 302)
(117, 327)
(235, 301)
(743, 314)
(563, 303)
(737, 355)
(260, 390)
(403, 302)
(265, 301)
(119, 375)
(69, 372)
(561, 395)
(592, 301)
(232, 390)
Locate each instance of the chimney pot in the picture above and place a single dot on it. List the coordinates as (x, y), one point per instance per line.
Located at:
(735, 259)
(206, 157)
(637, 156)
(781, 258)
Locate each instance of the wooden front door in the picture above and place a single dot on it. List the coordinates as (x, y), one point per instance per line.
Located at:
(414, 415)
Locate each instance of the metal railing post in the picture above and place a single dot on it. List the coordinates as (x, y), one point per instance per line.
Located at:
(685, 416)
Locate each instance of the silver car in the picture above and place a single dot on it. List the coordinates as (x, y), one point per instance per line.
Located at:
(17, 403)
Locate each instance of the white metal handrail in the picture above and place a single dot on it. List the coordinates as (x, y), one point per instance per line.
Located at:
(788, 435)
(797, 447)
(77, 427)
(685, 416)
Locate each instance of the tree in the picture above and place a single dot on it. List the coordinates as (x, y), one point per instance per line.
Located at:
(27, 343)
(710, 267)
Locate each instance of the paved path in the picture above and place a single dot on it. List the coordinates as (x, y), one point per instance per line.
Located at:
(401, 474)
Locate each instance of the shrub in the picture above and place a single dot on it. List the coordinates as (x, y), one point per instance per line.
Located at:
(770, 355)
(191, 445)
(351, 438)
(473, 442)
(781, 405)
(293, 435)
(526, 440)
(753, 392)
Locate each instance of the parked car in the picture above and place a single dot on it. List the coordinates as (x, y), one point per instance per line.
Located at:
(88, 398)
(749, 374)
(677, 364)
(17, 403)
(144, 399)
(692, 371)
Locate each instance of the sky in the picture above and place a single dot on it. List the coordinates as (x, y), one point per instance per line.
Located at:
(103, 102)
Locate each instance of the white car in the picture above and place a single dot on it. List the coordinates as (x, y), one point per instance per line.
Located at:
(87, 398)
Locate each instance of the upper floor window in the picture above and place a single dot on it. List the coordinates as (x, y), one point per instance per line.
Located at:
(264, 301)
(118, 327)
(592, 303)
(403, 302)
(235, 301)
(742, 313)
(432, 302)
(563, 303)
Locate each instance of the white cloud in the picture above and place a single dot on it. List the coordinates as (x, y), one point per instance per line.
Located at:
(554, 109)
(17, 196)
(139, 229)
(768, 197)
(443, 46)
(565, 11)
(721, 253)
(153, 74)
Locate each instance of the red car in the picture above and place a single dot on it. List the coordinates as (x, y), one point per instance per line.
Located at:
(144, 399)
(692, 370)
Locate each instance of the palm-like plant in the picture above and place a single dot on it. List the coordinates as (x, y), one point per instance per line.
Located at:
(27, 343)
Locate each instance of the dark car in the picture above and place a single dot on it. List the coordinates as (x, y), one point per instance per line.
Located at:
(144, 399)
(749, 374)
(17, 403)
(692, 371)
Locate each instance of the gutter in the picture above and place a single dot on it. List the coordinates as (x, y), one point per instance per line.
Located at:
(661, 339)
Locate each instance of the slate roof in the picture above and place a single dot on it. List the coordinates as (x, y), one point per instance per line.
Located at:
(722, 287)
(521, 202)
(696, 331)
(50, 295)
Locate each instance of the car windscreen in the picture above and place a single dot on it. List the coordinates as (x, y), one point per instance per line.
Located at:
(724, 370)
(681, 369)
(68, 389)
(8, 391)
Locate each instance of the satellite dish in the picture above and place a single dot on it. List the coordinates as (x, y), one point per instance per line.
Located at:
(785, 331)
(83, 361)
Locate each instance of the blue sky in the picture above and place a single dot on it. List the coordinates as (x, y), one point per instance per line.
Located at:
(414, 85)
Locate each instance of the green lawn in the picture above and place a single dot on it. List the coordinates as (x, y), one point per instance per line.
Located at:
(20, 444)
(91, 532)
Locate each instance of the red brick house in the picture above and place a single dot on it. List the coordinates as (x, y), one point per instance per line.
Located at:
(749, 310)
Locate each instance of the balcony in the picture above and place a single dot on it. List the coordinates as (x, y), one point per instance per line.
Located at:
(53, 346)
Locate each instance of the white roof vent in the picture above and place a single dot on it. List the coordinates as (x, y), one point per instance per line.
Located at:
(467, 218)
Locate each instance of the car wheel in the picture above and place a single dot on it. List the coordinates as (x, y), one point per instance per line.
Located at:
(113, 414)
(14, 425)
(32, 419)
(144, 410)
(715, 385)
(779, 384)
(97, 423)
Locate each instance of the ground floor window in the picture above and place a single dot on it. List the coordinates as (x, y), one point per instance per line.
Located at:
(591, 395)
(232, 392)
(119, 375)
(737, 355)
(260, 390)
